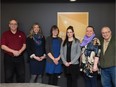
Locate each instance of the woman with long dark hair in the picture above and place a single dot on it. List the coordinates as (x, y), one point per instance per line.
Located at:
(70, 53)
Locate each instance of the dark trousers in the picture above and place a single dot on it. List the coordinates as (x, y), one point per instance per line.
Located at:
(72, 73)
(53, 79)
(71, 80)
(90, 82)
(14, 66)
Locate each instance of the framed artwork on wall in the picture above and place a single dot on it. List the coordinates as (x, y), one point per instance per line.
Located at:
(79, 21)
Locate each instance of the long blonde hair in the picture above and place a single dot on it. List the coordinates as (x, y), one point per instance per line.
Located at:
(32, 32)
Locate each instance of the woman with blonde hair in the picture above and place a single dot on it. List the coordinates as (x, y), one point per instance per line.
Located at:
(36, 53)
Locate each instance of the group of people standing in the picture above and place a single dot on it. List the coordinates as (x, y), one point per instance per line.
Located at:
(53, 55)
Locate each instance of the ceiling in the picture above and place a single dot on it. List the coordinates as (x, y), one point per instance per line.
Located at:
(57, 1)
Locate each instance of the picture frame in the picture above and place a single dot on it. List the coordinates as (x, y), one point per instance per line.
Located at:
(79, 21)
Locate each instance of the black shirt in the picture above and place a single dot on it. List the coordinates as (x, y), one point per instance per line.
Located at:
(69, 43)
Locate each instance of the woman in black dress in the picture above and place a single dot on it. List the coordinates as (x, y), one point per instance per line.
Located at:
(36, 53)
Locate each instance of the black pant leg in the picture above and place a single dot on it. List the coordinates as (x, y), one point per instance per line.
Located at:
(69, 80)
(74, 81)
(55, 79)
(20, 69)
(50, 80)
(9, 68)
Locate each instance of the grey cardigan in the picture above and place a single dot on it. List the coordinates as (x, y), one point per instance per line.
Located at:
(75, 52)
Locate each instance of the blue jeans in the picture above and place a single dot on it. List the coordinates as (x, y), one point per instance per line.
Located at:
(108, 77)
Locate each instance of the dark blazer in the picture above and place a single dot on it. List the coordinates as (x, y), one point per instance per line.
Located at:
(108, 59)
(31, 47)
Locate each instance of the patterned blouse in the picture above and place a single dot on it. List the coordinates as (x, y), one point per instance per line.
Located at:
(89, 52)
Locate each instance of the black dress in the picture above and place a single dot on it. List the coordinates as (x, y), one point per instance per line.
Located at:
(36, 45)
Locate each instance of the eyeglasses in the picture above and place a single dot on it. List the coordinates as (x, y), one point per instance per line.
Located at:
(106, 32)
